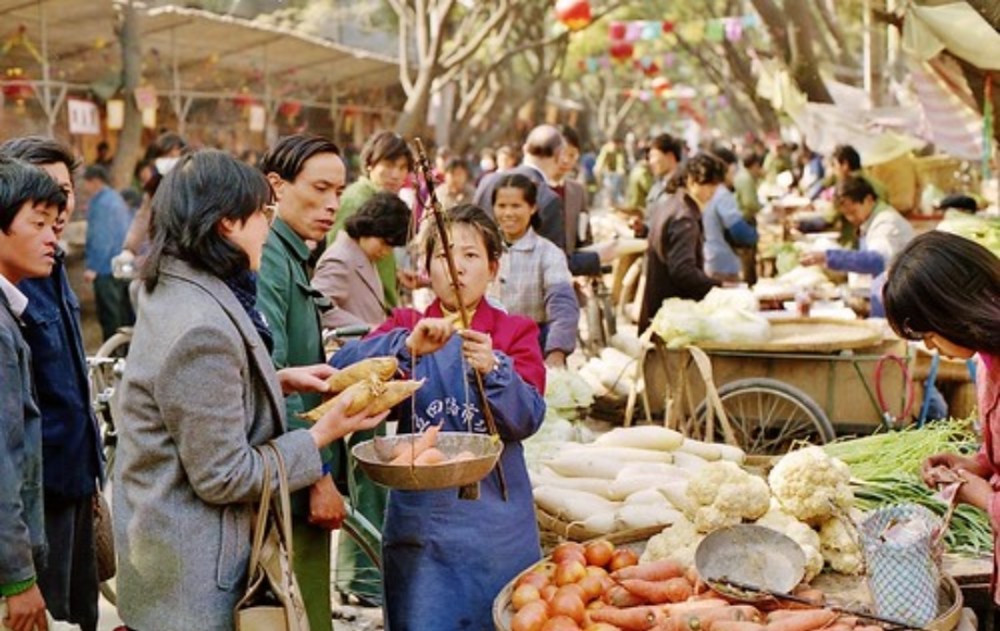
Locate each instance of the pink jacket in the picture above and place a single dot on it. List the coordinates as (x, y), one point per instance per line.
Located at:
(988, 387)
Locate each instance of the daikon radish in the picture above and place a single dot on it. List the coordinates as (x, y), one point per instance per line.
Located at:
(646, 515)
(642, 437)
(676, 494)
(627, 454)
(601, 523)
(597, 486)
(666, 471)
(623, 486)
(570, 505)
(706, 451)
(689, 461)
(580, 465)
(732, 453)
(647, 497)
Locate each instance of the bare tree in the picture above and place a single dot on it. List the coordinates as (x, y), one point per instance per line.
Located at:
(444, 35)
(129, 141)
(792, 34)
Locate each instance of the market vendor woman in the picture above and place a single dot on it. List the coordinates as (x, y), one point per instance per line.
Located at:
(444, 558)
(945, 290)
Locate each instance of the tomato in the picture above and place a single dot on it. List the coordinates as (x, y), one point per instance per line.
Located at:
(523, 595)
(567, 604)
(561, 623)
(599, 552)
(623, 557)
(570, 572)
(531, 618)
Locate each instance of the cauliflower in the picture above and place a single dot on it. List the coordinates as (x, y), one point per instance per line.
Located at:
(811, 486)
(677, 542)
(807, 538)
(723, 494)
(839, 545)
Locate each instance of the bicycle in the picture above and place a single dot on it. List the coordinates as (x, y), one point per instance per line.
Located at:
(599, 313)
(105, 370)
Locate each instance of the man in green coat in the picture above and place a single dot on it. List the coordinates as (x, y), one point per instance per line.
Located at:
(308, 177)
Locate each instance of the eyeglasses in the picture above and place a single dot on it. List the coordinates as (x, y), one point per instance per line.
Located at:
(270, 212)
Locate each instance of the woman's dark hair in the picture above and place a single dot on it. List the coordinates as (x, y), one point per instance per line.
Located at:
(704, 168)
(385, 145)
(678, 179)
(384, 215)
(288, 156)
(725, 154)
(848, 154)
(945, 284)
(39, 150)
(855, 188)
(203, 189)
(21, 183)
(478, 219)
(516, 180)
(165, 143)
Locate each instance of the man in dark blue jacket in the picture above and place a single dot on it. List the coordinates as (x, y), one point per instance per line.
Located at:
(71, 444)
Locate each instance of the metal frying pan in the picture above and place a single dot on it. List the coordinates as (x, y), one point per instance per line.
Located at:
(750, 555)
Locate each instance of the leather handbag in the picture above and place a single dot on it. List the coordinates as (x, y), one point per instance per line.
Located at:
(272, 601)
(104, 539)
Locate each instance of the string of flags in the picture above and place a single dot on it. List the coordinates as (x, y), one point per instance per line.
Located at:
(729, 28)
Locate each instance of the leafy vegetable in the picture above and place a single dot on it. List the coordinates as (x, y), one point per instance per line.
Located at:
(983, 230)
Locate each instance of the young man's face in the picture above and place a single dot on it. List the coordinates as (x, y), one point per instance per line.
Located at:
(28, 247)
(309, 204)
(58, 172)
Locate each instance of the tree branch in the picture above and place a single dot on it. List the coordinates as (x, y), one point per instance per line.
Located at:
(464, 52)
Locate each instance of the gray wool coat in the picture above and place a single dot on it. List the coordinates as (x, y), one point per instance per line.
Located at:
(199, 392)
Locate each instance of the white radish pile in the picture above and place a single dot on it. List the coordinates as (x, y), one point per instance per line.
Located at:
(628, 478)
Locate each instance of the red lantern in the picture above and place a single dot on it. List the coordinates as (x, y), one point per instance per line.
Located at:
(621, 50)
(575, 14)
(617, 31)
(651, 70)
(660, 85)
(290, 109)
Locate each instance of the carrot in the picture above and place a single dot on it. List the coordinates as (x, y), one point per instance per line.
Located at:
(632, 618)
(870, 627)
(851, 621)
(781, 614)
(618, 596)
(700, 586)
(839, 626)
(803, 621)
(814, 596)
(672, 590)
(678, 609)
(737, 625)
(654, 571)
(415, 447)
(703, 620)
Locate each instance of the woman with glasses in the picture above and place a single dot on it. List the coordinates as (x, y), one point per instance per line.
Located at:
(200, 394)
(945, 290)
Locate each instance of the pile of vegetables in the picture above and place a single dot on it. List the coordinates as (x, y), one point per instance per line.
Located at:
(807, 497)
(634, 477)
(983, 230)
(598, 587)
(724, 315)
(565, 390)
(885, 470)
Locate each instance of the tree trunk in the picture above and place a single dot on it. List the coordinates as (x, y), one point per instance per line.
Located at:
(130, 138)
(414, 115)
(792, 36)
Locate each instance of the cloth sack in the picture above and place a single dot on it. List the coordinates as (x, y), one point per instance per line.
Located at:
(104, 539)
(273, 601)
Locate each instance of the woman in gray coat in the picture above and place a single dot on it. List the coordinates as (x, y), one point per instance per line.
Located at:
(198, 395)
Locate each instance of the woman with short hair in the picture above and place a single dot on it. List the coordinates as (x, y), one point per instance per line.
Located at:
(197, 399)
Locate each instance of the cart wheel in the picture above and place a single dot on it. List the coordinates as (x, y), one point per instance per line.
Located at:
(768, 416)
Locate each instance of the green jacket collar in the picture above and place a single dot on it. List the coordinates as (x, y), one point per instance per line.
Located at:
(293, 242)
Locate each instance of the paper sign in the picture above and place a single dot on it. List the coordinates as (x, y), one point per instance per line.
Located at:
(84, 117)
(116, 114)
(258, 118)
(149, 118)
(145, 97)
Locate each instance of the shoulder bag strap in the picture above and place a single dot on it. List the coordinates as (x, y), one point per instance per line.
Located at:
(263, 509)
(284, 507)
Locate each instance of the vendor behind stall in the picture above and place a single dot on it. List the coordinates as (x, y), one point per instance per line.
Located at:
(945, 290)
(883, 233)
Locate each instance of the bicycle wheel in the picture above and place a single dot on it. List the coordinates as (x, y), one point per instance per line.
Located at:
(768, 416)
